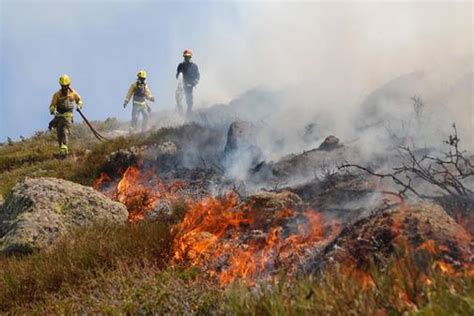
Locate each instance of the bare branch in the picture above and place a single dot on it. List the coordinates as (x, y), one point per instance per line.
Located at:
(448, 173)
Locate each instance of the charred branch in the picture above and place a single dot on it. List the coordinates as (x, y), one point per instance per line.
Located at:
(395, 176)
(448, 173)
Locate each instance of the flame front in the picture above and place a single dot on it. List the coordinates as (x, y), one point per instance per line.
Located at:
(234, 240)
(218, 234)
(222, 235)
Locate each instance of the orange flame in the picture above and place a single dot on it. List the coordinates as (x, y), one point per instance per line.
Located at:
(103, 178)
(234, 240)
(229, 239)
(429, 246)
(444, 267)
(215, 235)
(140, 191)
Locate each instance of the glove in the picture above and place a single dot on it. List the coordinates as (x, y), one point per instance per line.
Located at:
(79, 107)
(152, 99)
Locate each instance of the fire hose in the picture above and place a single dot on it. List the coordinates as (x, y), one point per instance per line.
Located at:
(96, 134)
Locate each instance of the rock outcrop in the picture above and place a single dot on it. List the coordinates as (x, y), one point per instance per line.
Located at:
(331, 142)
(303, 166)
(240, 135)
(39, 210)
(273, 201)
(374, 239)
(241, 148)
(118, 161)
(269, 209)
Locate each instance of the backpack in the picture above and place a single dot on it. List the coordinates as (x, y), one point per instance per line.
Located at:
(140, 92)
(64, 104)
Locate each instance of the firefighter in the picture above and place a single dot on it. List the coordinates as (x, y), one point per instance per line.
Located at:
(191, 77)
(62, 108)
(141, 93)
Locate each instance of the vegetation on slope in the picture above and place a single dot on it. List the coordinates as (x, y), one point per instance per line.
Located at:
(35, 156)
(129, 269)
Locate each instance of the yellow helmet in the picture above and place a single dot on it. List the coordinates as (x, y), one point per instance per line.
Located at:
(141, 74)
(64, 80)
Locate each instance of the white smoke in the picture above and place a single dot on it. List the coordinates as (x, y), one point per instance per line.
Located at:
(326, 58)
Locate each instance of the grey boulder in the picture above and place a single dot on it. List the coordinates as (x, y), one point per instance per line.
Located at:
(39, 210)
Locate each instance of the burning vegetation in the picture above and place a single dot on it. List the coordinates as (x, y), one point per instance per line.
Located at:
(229, 237)
(249, 237)
(139, 191)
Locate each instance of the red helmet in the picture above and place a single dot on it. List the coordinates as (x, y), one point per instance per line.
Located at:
(187, 53)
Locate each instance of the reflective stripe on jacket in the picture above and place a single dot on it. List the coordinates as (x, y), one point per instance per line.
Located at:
(66, 115)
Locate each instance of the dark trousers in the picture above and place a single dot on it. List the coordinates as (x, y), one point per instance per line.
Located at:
(188, 92)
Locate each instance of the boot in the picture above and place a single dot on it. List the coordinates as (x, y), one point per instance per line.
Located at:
(63, 150)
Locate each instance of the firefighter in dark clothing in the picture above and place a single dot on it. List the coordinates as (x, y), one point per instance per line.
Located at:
(140, 93)
(191, 77)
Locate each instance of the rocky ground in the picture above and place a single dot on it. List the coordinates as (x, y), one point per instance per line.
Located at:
(39, 210)
(416, 227)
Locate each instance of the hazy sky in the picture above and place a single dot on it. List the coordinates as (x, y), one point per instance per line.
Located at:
(339, 51)
(101, 45)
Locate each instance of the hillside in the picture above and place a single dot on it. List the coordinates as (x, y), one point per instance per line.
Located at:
(196, 240)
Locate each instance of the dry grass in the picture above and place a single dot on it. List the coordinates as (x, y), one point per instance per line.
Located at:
(80, 258)
(339, 293)
(127, 269)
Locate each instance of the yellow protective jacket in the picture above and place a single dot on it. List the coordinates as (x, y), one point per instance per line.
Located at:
(60, 100)
(139, 96)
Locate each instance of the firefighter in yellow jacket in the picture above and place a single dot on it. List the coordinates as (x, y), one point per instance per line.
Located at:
(62, 108)
(140, 93)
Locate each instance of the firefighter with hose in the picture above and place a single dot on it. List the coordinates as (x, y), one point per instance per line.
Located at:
(191, 78)
(62, 108)
(141, 94)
